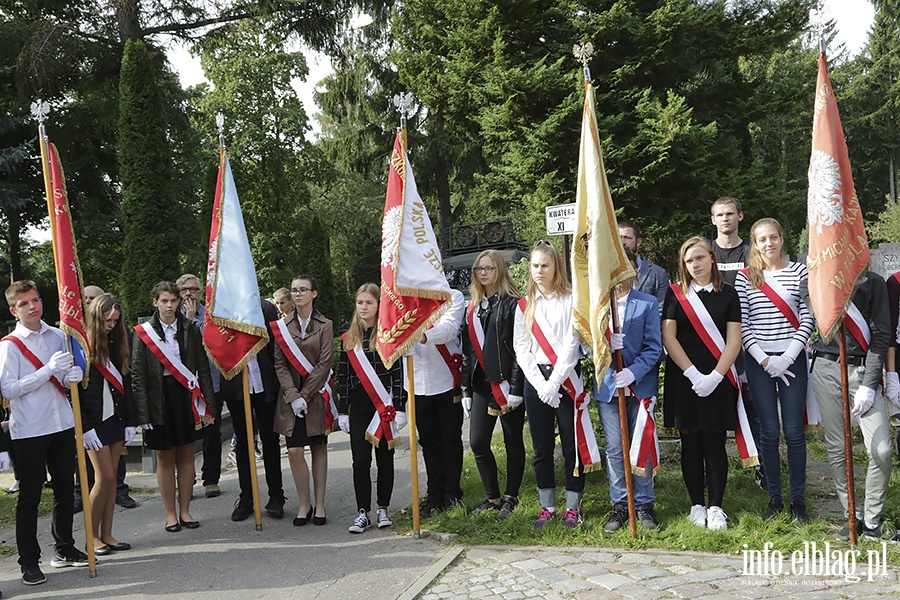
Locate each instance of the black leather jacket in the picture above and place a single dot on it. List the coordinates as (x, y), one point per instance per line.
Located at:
(500, 363)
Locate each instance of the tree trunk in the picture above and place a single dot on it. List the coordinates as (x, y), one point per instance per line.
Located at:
(15, 246)
(127, 17)
(441, 182)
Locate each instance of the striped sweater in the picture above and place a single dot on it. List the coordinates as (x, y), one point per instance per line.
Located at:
(764, 329)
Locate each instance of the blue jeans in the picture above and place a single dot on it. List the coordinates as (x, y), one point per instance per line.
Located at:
(767, 391)
(615, 466)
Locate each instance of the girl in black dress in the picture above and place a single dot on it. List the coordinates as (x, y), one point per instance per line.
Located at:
(700, 400)
(106, 412)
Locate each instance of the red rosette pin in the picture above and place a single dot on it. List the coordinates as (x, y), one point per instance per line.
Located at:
(388, 414)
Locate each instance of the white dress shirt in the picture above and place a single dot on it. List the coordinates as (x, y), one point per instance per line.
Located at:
(557, 311)
(36, 406)
(170, 342)
(431, 375)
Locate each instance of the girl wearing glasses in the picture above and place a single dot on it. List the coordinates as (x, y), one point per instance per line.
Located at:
(493, 382)
(361, 375)
(107, 413)
(303, 364)
(545, 316)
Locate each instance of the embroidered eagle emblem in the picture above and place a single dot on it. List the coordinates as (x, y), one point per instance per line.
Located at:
(390, 236)
(825, 205)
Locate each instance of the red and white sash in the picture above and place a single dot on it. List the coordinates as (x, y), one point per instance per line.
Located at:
(299, 361)
(858, 327)
(587, 451)
(35, 361)
(383, 423)
(179, 371)
(647, 445)
(712, 338)
(780, 297)
(499, 389)
(454, 363)
(111, 374)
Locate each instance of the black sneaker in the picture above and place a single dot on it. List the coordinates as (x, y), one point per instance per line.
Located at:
(485, 505)
(883, 532)
(78, 505)
(507, 506)
(798, 511)
(844, 534)
(617, 518)
(242, 510)
(647, 517)
(776, 507)
(32, 575)
(275, 508)
(73, 557)
(761, 479)
(125, 501)
(431, 507)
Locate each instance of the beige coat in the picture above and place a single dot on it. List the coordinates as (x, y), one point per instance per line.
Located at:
(317, 347)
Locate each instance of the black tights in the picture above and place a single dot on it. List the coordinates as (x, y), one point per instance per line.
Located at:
(699, 449)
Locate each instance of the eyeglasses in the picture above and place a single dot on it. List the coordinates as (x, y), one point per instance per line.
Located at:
(189, 289)
(485, 270)
(300, 291)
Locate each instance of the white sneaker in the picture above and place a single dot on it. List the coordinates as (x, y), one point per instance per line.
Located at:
(381, 516)
(698, 515)
(361, 523)
(717, 519)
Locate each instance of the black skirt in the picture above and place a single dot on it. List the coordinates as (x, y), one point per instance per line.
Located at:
(111, 430)
(178, 419)
(300, 438)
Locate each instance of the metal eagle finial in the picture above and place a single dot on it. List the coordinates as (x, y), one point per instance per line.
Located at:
(584, 52)
(404, 104)
(39, 110)
(220, 125)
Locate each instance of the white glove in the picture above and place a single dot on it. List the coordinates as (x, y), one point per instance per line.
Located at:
(549, 395)
(624, 378)
(344, 423)
(299, 407)
(60, 362)
(467, 404)
(74, 375)
(777, 366)
(892, 388)
(4, 461)
(147, 426)
(707, 384)
(693, 374)
(91, 441)
(400, 419)
(616, 341)
(862, 400)
(130, 432)
(515, 401)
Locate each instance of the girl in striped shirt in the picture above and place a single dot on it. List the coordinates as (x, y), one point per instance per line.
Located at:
(776, 326)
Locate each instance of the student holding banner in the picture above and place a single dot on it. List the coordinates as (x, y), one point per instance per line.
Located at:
(868, 338)
(547, 350)
(891, 380)
(493, 382)
(640, 340)
(304, 345)
(174, 398)
(371, 407)
(701, 331)
(107, 413)
(777, 324)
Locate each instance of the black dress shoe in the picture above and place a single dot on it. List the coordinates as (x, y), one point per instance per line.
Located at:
(301, 521)
(319, 520)
(242, 510)
(102, 550)
(189, 524)
(119, 546)
(173, 528)
(125, 501)
(275, 508)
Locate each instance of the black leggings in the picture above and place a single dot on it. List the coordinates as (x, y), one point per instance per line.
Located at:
(361, 412)
(481, 429)
(699, 449)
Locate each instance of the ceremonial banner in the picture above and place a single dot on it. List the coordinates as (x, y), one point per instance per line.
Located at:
(414, 290)
(68, 269)
(234, 329)
(838, 248)
(598, 257)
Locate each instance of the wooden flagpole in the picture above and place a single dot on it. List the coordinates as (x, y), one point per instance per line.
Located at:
(251, 454)
(623, 420)
(848, 442)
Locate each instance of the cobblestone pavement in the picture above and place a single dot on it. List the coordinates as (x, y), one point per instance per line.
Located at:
(541, 572)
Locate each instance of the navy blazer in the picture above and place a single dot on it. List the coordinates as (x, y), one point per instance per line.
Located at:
(653, 280)
(642, 348)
